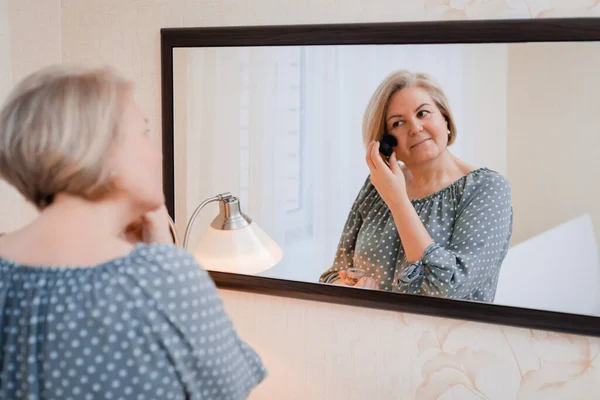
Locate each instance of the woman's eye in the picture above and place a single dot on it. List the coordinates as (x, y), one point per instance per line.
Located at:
(423, 113)
(396, 124)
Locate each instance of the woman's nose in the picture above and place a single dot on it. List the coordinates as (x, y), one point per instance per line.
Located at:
(415, 126)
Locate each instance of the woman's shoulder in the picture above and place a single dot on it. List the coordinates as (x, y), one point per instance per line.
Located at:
(161, 252)
(165, 259)
(485, 186)
(484, 179)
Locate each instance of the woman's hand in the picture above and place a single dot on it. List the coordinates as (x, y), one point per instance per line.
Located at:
(389, 181)
(342, 280)
(364, 282)
(152, 227)
(367, 283)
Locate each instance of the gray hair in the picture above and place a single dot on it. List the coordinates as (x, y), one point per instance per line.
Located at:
(56, 129)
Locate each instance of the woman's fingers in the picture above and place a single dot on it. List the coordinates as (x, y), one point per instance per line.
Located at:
(133, 233)
(368, 156)
(375, 161)
(373, 284)
(342, 279)
(367, 283)
(394, 164)
(375, 157)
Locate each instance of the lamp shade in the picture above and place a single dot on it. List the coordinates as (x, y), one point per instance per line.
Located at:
(245, 250)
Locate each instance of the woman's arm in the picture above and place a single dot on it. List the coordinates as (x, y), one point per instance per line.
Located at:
(391, 186)
(477, 246)
(195, 330)
(415, 238)
(479, 239)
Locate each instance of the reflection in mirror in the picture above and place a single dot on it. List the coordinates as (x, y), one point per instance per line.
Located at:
(505, 214)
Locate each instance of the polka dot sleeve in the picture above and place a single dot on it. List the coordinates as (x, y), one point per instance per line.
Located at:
(478, 243)
(210, 358)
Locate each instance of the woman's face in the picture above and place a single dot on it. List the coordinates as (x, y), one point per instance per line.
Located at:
(420, 128)
(137, 162)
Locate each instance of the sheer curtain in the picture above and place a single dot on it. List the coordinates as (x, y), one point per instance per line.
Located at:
(280, 127)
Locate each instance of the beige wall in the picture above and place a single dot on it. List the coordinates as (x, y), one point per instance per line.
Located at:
(553, 141)
(5, 57)
(9, 199)
(315, 350)
(34, 29)
(485, 86)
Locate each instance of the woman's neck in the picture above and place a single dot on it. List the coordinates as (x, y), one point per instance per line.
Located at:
(438, 171)
(108, 217)
(71, 231)
(429, 178)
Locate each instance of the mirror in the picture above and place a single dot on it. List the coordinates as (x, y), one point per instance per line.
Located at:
(280, 128)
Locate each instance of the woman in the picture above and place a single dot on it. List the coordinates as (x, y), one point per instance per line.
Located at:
(85, 313)
(434, 224)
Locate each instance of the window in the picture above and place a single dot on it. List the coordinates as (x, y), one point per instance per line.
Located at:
(290, 94)
(297, 199)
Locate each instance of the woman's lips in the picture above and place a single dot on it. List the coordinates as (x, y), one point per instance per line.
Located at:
(415, 145)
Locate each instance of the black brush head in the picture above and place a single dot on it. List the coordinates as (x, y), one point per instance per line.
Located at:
(385, 149)
(386, 144)
(389, 139)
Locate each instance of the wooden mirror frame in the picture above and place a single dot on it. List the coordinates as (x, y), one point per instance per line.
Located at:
(434, 32)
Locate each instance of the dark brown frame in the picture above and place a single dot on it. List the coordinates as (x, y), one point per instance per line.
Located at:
(493, 31)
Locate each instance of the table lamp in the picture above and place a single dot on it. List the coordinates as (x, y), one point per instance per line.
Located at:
(233, 243)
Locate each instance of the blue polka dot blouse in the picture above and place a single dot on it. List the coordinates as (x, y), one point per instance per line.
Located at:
(470, 222)
(150, 325)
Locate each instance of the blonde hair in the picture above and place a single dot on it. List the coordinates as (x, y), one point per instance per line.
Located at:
(56, 129)
(374, 119)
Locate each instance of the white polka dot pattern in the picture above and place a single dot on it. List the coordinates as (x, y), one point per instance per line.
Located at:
(150, 325)
(470, 222)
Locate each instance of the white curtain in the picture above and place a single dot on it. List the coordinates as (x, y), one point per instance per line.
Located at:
(280, 127)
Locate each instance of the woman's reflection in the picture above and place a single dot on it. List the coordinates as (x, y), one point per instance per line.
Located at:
(432, 224)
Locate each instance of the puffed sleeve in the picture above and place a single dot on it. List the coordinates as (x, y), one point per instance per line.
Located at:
(344, 254)
(209, 357)
(479, 242)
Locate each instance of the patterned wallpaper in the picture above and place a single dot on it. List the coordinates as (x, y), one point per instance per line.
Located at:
(464, 9)
(324, 351)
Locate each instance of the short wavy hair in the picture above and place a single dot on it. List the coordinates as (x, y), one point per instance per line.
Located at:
(374, 119)
(56, 130)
